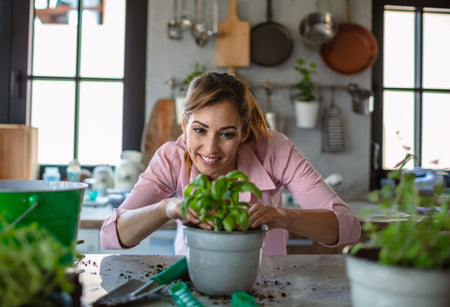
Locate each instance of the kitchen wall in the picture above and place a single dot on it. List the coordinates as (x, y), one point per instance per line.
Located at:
(171, 58)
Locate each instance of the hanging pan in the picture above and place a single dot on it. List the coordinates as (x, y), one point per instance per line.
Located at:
(352, 50)
(271, 43)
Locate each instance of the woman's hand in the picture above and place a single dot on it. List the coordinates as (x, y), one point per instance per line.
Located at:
(173, 212)
(263, 214)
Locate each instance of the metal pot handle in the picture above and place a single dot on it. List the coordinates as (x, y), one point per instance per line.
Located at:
(33, 201)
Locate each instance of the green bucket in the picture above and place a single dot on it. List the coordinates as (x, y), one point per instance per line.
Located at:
(54, 205)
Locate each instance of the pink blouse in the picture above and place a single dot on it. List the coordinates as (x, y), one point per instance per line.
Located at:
(271, 164)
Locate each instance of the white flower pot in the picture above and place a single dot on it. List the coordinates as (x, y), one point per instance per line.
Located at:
(220, 262)
(306, 113)
(376, 285)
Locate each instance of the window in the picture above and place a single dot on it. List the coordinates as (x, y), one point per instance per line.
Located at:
(85, 73)
(411, 84)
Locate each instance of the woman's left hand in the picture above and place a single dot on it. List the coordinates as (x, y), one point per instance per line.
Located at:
(263, 214)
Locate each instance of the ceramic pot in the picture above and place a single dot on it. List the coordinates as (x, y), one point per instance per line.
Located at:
(373, 284)
(306, 113)
(220, 262)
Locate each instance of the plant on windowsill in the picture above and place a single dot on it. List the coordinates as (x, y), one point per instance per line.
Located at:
(226, 259)
(306, 105)
(408, 261)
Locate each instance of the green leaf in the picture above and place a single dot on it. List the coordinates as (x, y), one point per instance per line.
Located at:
(218, 188)
(201, 181)
(235, 174)
(248, 186)
(184, 205)
(229, 223)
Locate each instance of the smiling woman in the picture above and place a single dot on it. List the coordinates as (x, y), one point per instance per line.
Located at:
(224, 130)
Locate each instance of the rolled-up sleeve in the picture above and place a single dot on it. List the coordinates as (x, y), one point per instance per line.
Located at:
(309, 189)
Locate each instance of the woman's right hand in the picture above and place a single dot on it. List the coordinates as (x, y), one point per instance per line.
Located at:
(173, 212)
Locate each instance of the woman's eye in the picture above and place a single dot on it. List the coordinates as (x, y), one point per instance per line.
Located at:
(228, 135)
(199, 130)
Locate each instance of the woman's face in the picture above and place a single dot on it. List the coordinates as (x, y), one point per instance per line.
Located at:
(213, 135)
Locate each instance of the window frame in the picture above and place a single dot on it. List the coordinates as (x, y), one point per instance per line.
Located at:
(376, 170)
(15, 18)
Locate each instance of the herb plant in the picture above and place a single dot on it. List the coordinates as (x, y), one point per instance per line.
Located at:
(422, 241)
(198, 71)
(305, 86)
(32, 266)
(218, 201)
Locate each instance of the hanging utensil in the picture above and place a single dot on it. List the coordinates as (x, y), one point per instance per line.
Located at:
(174, 30)
(362, 99)
(318, 27)
(271, 43)
(333, 129)
(199, 30)
(185, 21)
(274, 120)
(233, 43)
(215, 31)
(352, 50)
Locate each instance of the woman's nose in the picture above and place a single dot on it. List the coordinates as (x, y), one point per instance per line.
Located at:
(212, 144)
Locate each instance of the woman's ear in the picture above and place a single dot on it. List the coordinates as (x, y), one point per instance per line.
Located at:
(245, 134)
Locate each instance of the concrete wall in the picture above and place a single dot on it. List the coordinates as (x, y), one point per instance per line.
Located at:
(170, 58)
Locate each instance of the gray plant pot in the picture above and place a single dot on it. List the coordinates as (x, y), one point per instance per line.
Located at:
(376, 285)
(220, 262)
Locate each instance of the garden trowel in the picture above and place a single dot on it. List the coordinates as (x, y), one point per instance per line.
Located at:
(135, 290)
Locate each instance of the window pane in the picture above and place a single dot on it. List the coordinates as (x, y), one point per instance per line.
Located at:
(100, 122)
(53, 113)
(398, 130)
(54, 45)
(399, 49)
(435, 145)
(102, 45)
(436, 50)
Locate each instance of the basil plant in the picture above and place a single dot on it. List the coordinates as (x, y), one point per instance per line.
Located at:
(218, 201)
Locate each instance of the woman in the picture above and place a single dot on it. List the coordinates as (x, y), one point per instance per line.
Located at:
(224, 129)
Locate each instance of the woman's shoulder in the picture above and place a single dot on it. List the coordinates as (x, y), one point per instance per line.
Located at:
(275, 141)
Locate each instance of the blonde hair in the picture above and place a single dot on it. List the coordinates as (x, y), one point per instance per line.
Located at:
(214, 87)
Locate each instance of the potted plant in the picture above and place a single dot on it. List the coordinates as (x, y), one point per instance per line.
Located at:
(198, 71)
(226, 259)
(406, 263)
(306, 105)
(34, 268)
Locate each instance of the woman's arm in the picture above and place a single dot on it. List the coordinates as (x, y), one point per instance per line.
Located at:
(317, 224)
(135, 225)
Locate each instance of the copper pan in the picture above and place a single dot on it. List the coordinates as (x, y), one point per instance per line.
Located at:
(352, 50)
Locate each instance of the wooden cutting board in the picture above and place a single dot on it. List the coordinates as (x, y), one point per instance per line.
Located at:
(233, 42)
(161, 127)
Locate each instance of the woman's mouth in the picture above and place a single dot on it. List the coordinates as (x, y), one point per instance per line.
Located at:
(209, 160)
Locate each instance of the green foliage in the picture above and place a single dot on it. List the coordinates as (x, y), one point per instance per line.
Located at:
(198, 71)
(422, 241)
(218, 201)
(305, 86)
(32, 266)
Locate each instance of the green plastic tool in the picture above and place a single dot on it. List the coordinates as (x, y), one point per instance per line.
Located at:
(134, 290)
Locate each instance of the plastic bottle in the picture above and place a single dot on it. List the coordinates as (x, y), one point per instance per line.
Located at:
(73, 171)
(52, 174)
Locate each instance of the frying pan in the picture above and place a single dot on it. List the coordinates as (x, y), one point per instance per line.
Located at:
(271, 43)
(352, 50)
